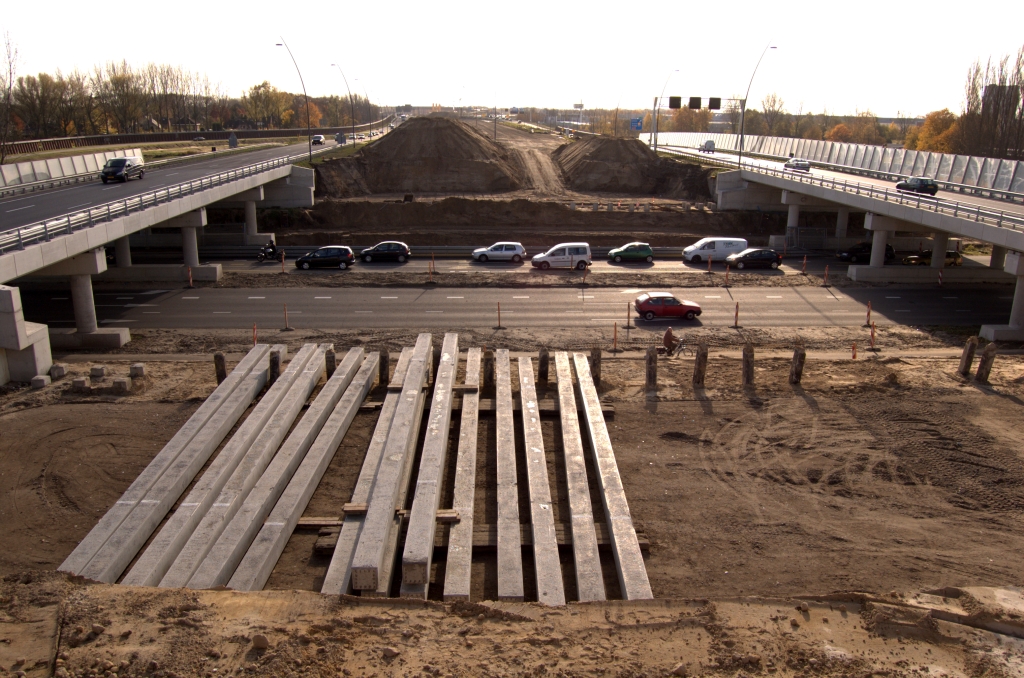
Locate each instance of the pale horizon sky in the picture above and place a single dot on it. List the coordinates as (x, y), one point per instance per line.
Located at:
(868, 56)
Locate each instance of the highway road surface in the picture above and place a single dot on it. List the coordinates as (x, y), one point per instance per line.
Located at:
(376, 308)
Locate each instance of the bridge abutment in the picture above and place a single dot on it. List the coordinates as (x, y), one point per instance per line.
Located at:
(24, 346)
(1014, 331)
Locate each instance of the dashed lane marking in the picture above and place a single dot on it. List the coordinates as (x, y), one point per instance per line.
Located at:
(257, 297)
(221, 312)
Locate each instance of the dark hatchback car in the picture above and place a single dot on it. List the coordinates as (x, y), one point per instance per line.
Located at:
(386, 251)
(332, 256)
(122, 169)
(862, 252)
(918, 185)
(753, 257)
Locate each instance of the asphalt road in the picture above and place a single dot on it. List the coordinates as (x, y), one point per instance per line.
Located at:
(344, 308)
(28, 209)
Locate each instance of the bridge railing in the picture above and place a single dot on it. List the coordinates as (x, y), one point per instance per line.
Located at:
(18, 237)
(953, 208)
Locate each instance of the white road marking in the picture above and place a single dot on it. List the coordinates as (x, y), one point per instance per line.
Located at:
(190, 297)
(16, 209)
(151, 313)
(221, 312)
(115, 320)
(435, 311)
(134, 305)
(520, 297)
(321, 297)
(364, 311)
(389, 297)
(774, 296)
(585, 296)
(456, 297)
(712, 296)
(81, 204)
(172, 174)
(892, 297)
(257, 297)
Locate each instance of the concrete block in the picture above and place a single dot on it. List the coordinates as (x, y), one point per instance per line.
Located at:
(90, 262)
(220, 541)
(510, 549)
(589, 579)
(33, 360)
(339, 574)
(98, 371)
(40, 381)
(629, 562)
(458, 566)
(58, 371)
(369, 558)
(293, 387)
(548, 569)
(137, 370)
(13, 331)
(77, 561)
(5, 373)
(122, 385)
(263, 554)
(102, 338)
(419, 540)
(80, 385)
(1013, 263)
(10, 299)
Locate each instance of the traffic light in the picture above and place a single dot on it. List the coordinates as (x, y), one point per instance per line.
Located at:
(695, 103)
(715, 103)
(675, 102)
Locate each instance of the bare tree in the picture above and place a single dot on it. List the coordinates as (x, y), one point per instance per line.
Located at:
(7, 76)
(992, 123)
(773, 110)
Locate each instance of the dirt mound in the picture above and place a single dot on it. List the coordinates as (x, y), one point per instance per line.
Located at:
(426, 155)
(605, 165)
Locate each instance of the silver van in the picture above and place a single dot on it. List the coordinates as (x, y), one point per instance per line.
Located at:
(564, 255)
(716, 249)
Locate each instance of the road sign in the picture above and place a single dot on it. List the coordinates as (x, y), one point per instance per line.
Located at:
(636, 124)
(578, 106)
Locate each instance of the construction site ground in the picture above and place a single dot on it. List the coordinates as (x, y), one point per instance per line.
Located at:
(873, 481)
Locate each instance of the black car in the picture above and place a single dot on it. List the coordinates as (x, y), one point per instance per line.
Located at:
(122, 169)
(862, 252)
(753, 257)
(332, 256)
(918, 185)
(386, 251)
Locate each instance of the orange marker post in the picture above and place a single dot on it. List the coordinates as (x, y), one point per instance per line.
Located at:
(855, 350)
(872, 336)
(190, 285)
(727, 275)
(255, 339)
(615, 337)
(736, 321)
(709, 264)
(804, 271)
(868, 323)
(826, 276)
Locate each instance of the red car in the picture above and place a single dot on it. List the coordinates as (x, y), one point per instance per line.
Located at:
(653, 305)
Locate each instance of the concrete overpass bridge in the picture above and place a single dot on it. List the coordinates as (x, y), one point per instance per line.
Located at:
(65, 232)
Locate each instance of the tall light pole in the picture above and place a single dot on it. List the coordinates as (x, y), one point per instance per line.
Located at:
(657, 110)
(743, 103)
(309, 132)
(351, 101)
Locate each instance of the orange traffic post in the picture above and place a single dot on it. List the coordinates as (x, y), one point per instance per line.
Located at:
(855, 350)
(826, 276)
(282, 262)
(255, 339)
(190, 285)
(499, 327)
(615, 337)
(287, 327)
(629, 316)
(736, 321)
(872, 336)
(727, 275)
(804, 271)
(940, 277)
(868, 322)
(709, 264)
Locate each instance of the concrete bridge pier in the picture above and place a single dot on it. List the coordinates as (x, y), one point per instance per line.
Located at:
(940, 240)
(87, 332)
(880, 228)
(792, 223)
(250, 219)
(998, 259)
(1014, 331)
(123, 252)
(188, 223)
(84, 303)
(842, 221)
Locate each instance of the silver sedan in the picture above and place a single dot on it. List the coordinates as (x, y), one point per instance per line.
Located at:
(501, 251)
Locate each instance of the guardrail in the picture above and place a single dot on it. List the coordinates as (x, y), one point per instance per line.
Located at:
(953, 208)
(18, 237)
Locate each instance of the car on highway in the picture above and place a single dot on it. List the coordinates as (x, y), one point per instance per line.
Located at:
(651, 305)
(634, 251)
(123, 169)
(754, 257)
(716, 249)
(331, 256)
(862, 252)
(707, 147)
(500, 251)
(564, 255)
(389, 250)
(317, 140)
(953, 258)
(918, 185)
(797, 165)
(198, 138)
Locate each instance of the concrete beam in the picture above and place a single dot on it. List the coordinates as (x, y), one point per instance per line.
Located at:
(589, 578)
(266, 549)
(458, 566)
(295, 190)
(419, 539)
(369, 558)
(92, 262)
(629, 562)
(808, 202)
(338, 579)
(547, 567)
(238, 200)
(510, 547)
(194, 219)
(75, 563)
(264, 428)
(734, 193)
(221, 540)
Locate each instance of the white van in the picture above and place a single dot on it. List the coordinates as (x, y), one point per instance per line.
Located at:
(564, 255)
(713, 248)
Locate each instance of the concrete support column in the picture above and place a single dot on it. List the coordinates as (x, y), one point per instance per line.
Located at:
(794, 218)
(939, 242)
(85, 307)
(998, 259)
(1017, 310)
(842, 221)
(250, 217)
(123, 252)
(190, 246)
(879, 239)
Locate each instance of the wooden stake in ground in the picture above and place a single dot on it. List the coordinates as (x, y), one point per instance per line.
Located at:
(220, 367)
(700, 365)
(748, 364)
(796, 372)
(967, 359)
(543, 361)
(651, 385)
(595, 365)
(988, 356)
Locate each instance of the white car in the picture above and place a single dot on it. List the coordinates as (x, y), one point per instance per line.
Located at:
(501, 251)
(565, 255)
(318, 139)
(713, 249)
(797, 165)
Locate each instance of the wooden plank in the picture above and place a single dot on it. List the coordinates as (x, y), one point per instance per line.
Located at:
(485, 538)
(510, 555)
(419, 540)
(460, 546)
(339, 574)
(371, 551)
(629, 562)
(547, 567)
(589, 579)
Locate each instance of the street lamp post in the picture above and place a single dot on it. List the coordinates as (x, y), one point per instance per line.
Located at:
(743, 103)
(309, 131)
(351, 102)
(657, 110)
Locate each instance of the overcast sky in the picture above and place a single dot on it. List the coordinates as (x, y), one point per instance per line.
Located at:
(881, 56)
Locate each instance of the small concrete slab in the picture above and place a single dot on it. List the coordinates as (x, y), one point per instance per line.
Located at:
(58, 371)
(122, 386)
(40, 381)
(137, 370)
(98, 371)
